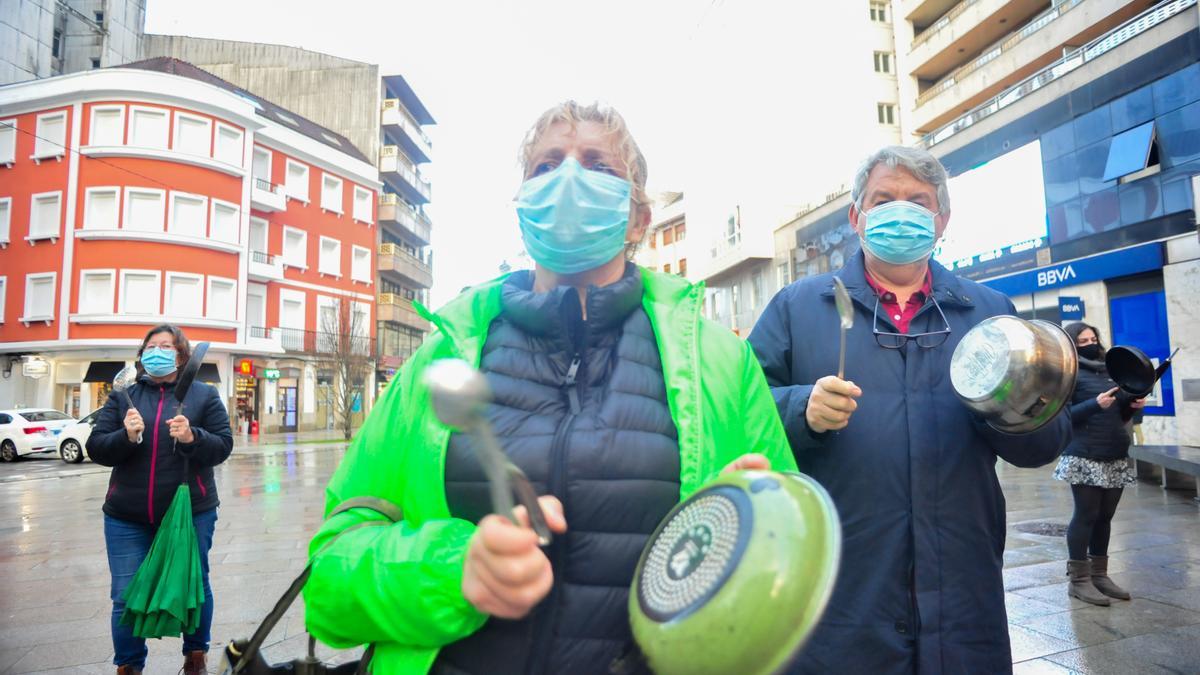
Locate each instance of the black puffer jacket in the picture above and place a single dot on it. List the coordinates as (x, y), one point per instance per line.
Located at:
(145, 475)
(1099, 433)
(606, 446)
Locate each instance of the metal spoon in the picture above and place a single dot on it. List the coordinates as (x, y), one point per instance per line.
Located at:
(124, 379)
(460, 394)
(845, 310)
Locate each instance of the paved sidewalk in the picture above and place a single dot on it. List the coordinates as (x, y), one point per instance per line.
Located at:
(54, 606)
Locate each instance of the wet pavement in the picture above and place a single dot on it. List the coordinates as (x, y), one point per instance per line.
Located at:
(54, 605)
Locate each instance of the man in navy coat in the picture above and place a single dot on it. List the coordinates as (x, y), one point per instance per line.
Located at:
(911, 469)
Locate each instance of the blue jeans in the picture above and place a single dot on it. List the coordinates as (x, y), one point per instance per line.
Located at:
(128, 544)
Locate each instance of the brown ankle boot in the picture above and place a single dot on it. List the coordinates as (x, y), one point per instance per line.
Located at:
(1081, 586)
(127, 670)
(1101, 580)
(194, 663)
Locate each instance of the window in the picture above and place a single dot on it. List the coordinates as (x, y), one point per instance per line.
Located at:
(39, 297)
(102, 208)
(879, 12)
(330, 259)
(96, 291)
(229, 145)
(1130, 151)
(185, 295)
(193, 135)
(668, 236)
(680, 232)
(45, 216)
(653, 240)
(258, 234)
(5, 220)
(297, 181)
(883, 62)
(683, 267)
(295, 247)
(8, 141)
(261, 167)
(360, 264)
(148, 128)
(667, 268)
(735, 300)
(3, 294)
(108, 126)
(99, 17)
(222, 299)
(758, 289)
(886, 112)
(224, 222)
(784, 274)
(95, 62)
(51, 138)
(331, 193)
(56, 43)
(140, 291)
(362, 204)
(144, 209)
(189, 215)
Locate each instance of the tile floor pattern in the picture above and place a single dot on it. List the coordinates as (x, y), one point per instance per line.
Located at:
(54, 603)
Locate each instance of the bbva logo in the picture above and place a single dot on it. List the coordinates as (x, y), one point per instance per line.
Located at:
(1054, 276)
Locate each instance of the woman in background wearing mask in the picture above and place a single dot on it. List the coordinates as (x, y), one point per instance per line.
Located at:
(611, 393)
(146, 445)
(1096, 464)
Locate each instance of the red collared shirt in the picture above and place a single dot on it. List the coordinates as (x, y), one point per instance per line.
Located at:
(889, 304)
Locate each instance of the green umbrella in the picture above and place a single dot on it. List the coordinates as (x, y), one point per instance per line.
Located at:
(167, 592)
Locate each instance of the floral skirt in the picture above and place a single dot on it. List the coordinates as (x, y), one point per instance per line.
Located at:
(1105, 473)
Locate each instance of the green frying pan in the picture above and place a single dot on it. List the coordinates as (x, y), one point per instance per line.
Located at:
(736, 577)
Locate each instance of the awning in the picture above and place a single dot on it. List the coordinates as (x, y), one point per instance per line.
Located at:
(103, 371)
(209, 373)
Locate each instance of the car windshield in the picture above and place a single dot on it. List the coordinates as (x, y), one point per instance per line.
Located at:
(45, 416)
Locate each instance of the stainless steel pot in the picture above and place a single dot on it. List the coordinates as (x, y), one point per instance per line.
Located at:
(1015, 374)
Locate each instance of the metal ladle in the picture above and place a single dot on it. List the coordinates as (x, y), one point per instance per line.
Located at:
(124, 379)
(845, 310)
(460, 395)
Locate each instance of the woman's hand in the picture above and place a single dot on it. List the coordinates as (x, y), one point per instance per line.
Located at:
(506, 574)
(1106, 399)
(751, 460)
(1137, 403)
(181, 430)
(134, 426)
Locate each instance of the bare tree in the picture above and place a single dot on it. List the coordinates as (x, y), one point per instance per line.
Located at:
(343, 348)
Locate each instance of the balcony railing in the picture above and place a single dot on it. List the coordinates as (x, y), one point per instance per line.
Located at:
(262, 257)
(312, 342)
(1119, 35)
(397, 308)
(393, 258)
(267, 196)
(260, 333)
(993, 52)
(395, 210)
(265, 267)
(394, 114)
(391, 160)
(942, 22)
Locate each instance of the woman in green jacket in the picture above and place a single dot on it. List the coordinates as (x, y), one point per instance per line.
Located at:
(611, 393)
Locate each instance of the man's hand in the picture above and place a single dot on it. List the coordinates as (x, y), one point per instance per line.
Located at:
(750, 460)
(831, 404)
(506, 574)
(1107, 398)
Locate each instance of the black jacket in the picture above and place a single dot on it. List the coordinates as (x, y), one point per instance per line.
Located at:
(1099, 433)
(145, 475)
(582, 408)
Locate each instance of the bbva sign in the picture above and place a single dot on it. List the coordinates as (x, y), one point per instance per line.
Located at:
(1055, 276)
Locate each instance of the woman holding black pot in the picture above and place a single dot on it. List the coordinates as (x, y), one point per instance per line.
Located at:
(146, 445)
(1096, 464)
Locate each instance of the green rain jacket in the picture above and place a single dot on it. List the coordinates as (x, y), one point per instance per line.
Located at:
(399, 586)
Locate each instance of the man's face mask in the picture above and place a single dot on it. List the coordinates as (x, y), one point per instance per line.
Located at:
(573, 219)
(899, 232)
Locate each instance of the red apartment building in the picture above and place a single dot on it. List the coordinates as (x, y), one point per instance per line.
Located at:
(157, 192)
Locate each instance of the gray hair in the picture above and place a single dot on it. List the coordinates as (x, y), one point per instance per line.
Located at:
(916, 161)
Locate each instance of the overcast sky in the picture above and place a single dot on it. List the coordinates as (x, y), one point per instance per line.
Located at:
(732, 101)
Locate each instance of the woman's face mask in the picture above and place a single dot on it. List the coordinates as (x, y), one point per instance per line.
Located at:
(159, 362)
(573, 219)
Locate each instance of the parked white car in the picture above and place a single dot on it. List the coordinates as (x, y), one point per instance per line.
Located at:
(73, 439)
(29, 431)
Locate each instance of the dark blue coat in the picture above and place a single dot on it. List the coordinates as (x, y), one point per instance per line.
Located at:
(913, 476)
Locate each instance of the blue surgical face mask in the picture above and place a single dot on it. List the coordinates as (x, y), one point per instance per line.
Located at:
(158, 362)
(899, 232)
(573, 219)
